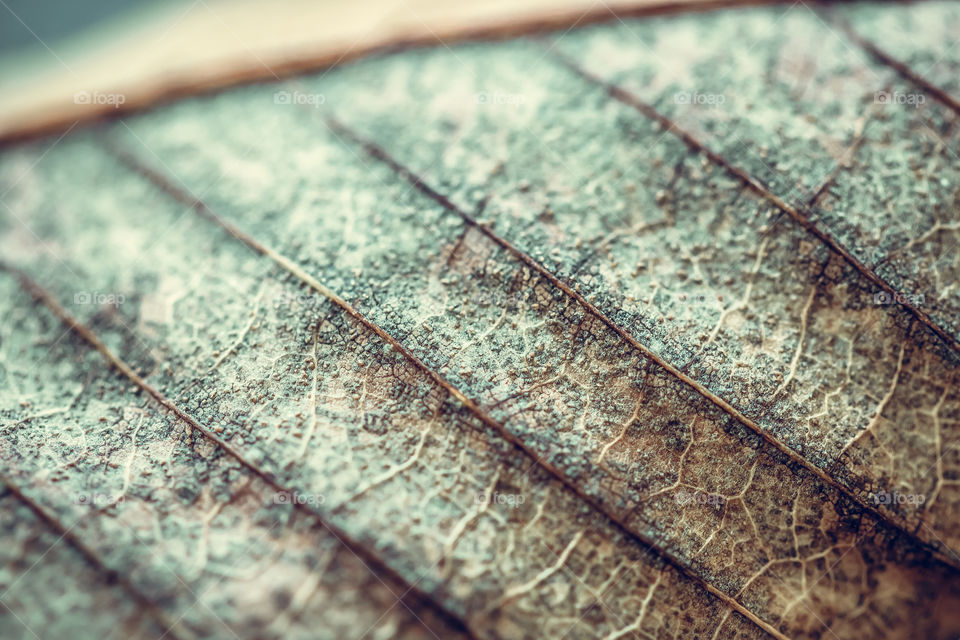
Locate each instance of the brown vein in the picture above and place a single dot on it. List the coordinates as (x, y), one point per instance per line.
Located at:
(897, 65)
(184, 196)
(800, 216)
(367, 557)
(381, 154)
(66, 533)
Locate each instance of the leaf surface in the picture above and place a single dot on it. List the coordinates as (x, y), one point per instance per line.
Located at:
(500, 333)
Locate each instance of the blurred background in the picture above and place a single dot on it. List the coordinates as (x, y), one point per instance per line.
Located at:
(27, 22)
(57, 58)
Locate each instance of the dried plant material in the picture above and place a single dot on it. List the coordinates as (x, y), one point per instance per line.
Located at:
(584, 336)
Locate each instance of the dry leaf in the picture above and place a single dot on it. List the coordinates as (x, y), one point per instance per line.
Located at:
(645, 329)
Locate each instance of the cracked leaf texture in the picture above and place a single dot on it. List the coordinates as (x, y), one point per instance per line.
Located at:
(646, 329)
